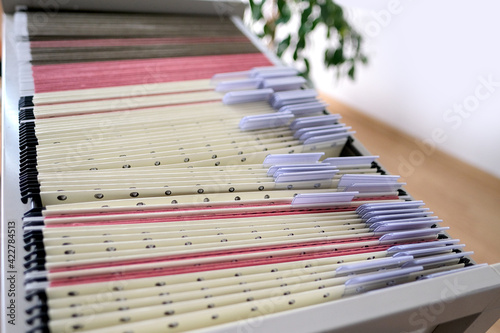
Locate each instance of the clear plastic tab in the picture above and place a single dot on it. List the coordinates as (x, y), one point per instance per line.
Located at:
(314, 121)
(401, 217)
(323, 132)
(400, 235)
(418, 246)
(322, 198)
(305, 176)
(256, 72)
(369, 207)
(273, 169)
(229, 76)
(371, 265)
(280, 99)
(271, 120)
(327, 138)
(368, 214)
(400, 226)
(350, 160)
(283, 83)
(433, 260)
(350, 179)
(273, 71)
(244, 84)
(278, 170)
(247, 96)
(429, 219)
(360, 284)
(298, 133)
(304, 108)
(291, 159)
(429, 251)
(374, 187)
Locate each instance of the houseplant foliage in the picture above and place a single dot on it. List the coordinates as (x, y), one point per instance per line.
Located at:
(343, 51)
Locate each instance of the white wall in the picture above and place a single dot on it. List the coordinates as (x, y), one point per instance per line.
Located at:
(429, 64)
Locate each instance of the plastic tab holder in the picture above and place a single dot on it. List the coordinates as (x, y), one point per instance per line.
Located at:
(433, 260)
(324, 132)
(283, 98)
(369, 214)
(272, 170)
(418, 246)
(371, 265)
(431, 220)
(243, 84)
(271, 120)
(305, 176)
(247, 96)
(429, 251)
(230, 76)
(314, 121)
(350, 160)
(304, 108)
(298, 133)
(256, 72)
(350, 179)
(288, 159)
(399, 217)
(322, 198)
(328, 138)
(370, 207)
(399, 235)
(278, 170)
(412, 216)
(273, 71)
(283, 83)
(374, 187)
(399, 226)
(360, 284)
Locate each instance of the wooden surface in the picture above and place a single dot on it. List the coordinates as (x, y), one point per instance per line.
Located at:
(467, 199)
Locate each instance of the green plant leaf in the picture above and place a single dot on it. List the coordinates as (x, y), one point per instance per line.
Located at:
(308, 67)
(305, 14)
(256, 10)
(351, 71)
(301, 43)
(336, 13)
(268, 29)
(312, 13)
(338, 56)
(284, 14)
(315, 23)
(304, 29)
(283, 45)
(280, 4)
(324, 13)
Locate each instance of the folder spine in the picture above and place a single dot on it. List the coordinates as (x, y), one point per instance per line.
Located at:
(26, 101)
(28, 174)
(38, 316)
(35, 259)
(26, 113)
